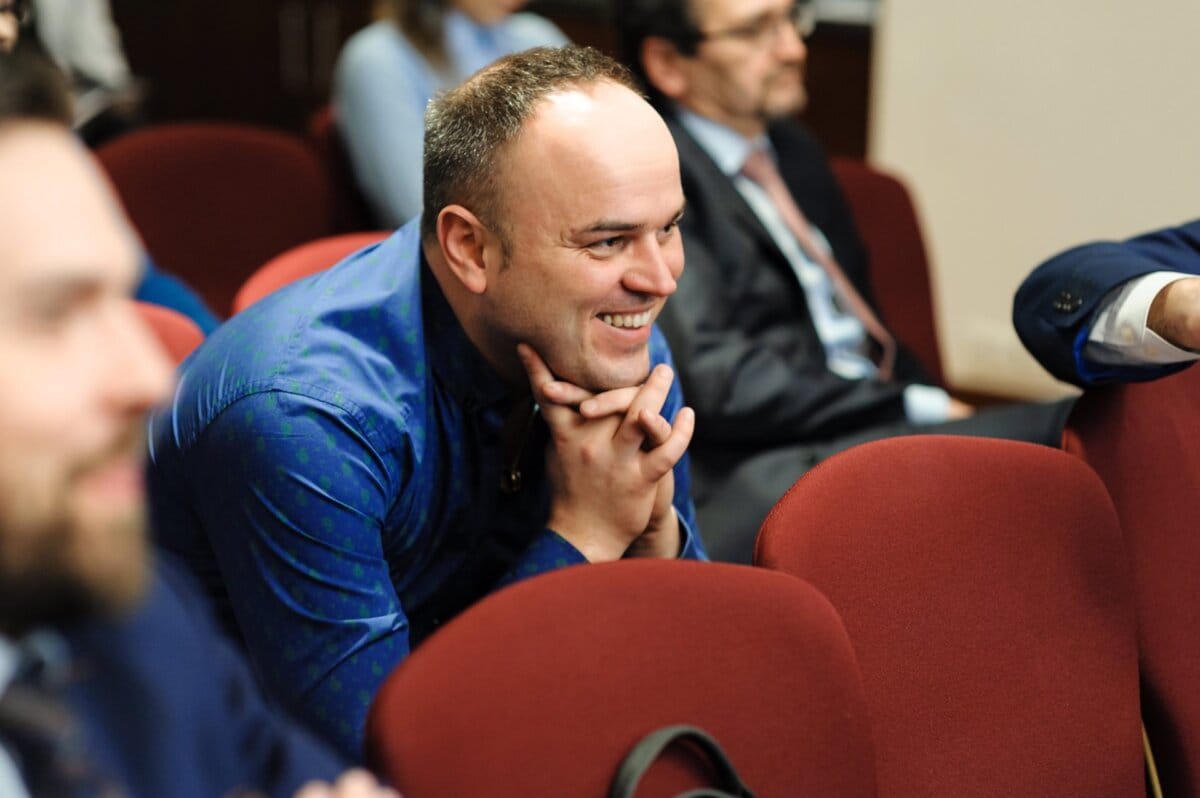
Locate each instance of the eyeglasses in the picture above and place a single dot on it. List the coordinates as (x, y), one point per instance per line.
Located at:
(763, 30)
(21, 9)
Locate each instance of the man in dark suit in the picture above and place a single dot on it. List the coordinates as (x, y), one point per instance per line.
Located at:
(779, 346)
(1115, 311)
(113, 681)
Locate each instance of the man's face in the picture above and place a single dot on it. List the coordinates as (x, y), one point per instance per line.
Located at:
(750, 67)
(78, 370)
(10, 28)
(590, 195)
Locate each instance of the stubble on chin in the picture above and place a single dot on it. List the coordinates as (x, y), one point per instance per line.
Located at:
(772, 106)
(114, 565)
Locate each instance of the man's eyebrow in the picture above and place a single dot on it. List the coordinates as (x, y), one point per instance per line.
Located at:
(611, 226)
(618, 226)
(62, 288)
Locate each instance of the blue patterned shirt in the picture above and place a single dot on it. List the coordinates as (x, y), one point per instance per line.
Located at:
(331, 467)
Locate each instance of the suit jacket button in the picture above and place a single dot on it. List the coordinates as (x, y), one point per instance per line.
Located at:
(1067, 302)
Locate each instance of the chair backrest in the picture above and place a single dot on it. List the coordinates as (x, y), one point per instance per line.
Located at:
(214, 201)
(350, 208)
(986, 592)
(887, 221)
(178, 334)
(300, 261)
(1144, 442)
(544, 687)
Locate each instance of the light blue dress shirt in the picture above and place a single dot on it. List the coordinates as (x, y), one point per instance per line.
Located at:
(382, 83)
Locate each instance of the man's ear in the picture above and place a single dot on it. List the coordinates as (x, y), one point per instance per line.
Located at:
(463, 240)
(665, 67)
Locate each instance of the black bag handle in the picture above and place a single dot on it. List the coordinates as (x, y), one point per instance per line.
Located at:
(650, 747)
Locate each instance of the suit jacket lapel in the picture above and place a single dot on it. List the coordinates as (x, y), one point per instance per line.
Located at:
(706, 171)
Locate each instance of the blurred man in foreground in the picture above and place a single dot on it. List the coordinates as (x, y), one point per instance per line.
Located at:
(112, 679)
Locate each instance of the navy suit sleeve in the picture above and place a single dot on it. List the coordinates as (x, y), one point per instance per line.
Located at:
(1054, 308)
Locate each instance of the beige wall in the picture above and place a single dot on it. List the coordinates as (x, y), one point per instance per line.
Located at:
(1026, 126)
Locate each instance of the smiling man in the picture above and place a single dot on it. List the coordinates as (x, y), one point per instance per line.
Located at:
(354, 460)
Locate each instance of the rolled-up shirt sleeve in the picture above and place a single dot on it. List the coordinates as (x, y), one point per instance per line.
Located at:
(1120, 335)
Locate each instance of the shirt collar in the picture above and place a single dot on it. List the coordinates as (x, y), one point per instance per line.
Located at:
(452, 357)
(43, 646)
(728, 148)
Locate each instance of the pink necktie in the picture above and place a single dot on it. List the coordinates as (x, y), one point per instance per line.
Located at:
(760, 168)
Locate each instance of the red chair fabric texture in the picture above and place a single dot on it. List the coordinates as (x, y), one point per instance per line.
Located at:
(1144, 442)
(350, 208)
(985, 589)
(888, 223)
(301, 261)
(543, 688)
(178, 334)
(214, 201)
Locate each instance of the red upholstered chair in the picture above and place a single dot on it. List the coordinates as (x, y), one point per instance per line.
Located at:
(887, 221)
(542, 688)
(1144, 442)
(178, 334)
(301, 261)
(350, 209)
(986, 591)
(214, 201)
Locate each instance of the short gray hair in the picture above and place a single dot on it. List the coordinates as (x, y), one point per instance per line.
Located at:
(467, 128)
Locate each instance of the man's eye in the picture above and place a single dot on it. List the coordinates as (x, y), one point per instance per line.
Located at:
(60, 309)
(608, 243)
(51, 314)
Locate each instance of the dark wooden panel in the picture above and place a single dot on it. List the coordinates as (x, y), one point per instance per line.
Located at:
(269, 61)
(265, 61)
(839, 87)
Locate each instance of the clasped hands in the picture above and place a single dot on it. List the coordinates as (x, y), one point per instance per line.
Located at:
(611, 463)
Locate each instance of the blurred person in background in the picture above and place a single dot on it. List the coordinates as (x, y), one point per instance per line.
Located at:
(387, 73)
(780, 345)
(82, 38)
(156, 286)
(13, 15)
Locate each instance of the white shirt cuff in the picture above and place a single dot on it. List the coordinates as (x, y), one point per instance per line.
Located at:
(1119, 335)
(926, 404)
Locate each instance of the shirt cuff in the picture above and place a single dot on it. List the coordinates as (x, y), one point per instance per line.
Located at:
(1119, 335)
(926, 404)
(691, 548)
(549, 552)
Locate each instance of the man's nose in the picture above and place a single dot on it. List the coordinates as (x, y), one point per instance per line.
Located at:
(140, 373)
(789, 44)
(656, 268)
